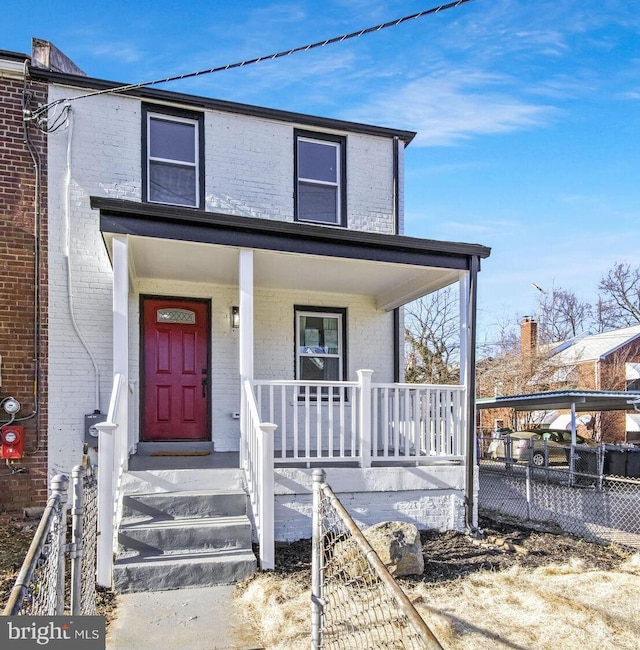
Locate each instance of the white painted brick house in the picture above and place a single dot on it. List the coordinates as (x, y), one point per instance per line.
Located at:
(172, 215)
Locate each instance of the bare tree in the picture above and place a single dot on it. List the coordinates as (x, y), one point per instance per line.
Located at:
(562, 316)
(620, 300)
(432, 338)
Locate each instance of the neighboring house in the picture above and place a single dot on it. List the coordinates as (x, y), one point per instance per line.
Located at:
(23, 295)
(608, 362)
(225, 284)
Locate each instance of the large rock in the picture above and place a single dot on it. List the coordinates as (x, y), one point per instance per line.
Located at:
(398, 545)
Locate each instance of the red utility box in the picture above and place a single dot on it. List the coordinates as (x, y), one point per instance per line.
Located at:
(12, 441)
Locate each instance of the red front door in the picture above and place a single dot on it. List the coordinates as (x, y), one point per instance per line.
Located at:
(175, 361)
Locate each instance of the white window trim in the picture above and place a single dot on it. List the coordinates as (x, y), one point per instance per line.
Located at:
(171, 161)
(314, 181)
(340, 354)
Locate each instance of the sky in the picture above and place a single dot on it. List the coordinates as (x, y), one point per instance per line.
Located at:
(527, 112)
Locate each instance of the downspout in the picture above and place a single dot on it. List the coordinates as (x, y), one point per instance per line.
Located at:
(470, 382)
(67, 256)
(398, 335)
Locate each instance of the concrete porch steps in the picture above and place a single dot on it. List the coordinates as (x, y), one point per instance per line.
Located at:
(182, 538)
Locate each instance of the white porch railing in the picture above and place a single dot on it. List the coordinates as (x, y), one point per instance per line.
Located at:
(316, 420)
(418, 422)
(256, 451)
(363, 422)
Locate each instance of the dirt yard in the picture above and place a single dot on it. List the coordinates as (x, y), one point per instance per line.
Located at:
(516, 590)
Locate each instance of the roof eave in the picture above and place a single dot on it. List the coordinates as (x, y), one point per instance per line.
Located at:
(184, 99)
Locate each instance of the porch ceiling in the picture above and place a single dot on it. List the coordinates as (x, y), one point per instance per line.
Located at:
(389, 284)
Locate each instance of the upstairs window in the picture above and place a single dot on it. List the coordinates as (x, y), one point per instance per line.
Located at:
(320, 178)
(173, 168)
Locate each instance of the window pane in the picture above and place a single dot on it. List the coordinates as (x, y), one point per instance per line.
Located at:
(172, 184)
(317, 161)
(318, 335)
(319, 369)
(171, 315)
(318, 203)
(172, 140)
(330, 335)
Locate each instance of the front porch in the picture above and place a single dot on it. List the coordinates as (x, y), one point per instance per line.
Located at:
(396, 450)
(393, 451)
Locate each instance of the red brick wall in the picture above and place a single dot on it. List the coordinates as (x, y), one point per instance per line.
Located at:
(24, 482)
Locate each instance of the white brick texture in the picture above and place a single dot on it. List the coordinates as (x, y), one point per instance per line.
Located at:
(249, 172)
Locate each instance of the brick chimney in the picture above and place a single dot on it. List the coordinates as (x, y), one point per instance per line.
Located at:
(528, 337)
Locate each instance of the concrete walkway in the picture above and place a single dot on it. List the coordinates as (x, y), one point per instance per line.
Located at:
(202, 618)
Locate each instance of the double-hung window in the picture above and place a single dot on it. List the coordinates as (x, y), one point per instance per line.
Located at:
(172, 157)
(320, 344)
(320, 162)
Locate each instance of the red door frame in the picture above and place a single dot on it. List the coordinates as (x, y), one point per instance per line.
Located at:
(174, 301)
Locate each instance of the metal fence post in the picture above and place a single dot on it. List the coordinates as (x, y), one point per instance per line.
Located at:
(319, 476)
(76, 549)
(59, 486)
(527, 473)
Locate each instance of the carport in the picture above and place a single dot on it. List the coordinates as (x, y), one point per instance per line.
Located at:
(577, 401)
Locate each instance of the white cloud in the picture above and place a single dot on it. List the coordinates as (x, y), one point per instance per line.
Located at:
(454, 105)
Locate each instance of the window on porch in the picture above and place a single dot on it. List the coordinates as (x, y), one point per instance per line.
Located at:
(320, 344)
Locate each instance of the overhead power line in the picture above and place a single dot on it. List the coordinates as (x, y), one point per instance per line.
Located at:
(260, 59)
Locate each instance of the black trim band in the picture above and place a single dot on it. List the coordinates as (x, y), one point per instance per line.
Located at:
(188, 224)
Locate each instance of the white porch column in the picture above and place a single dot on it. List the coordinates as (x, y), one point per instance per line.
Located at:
(120, 260)
(245, 281)
(246, 314)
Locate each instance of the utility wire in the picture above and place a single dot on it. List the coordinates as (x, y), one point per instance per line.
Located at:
(260, 59)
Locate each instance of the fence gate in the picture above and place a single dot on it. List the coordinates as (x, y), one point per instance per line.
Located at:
(355, 602)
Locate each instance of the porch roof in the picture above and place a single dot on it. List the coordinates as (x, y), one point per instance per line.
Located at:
(173, 242)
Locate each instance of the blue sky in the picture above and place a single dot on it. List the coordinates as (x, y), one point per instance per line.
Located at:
(527, 113)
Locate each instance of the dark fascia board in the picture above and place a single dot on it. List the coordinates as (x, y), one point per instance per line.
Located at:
(188, 224)
(14, 56)
(167, 96)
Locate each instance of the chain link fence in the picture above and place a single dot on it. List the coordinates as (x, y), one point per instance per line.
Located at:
(575, 494)
(356, 603)
(48, 585)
